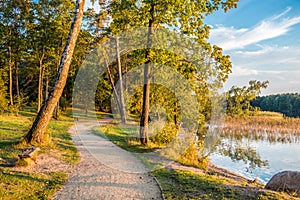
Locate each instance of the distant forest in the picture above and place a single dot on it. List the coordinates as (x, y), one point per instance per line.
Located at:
(287, 104)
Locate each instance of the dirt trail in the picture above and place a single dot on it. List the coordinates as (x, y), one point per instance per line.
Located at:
(106, 171)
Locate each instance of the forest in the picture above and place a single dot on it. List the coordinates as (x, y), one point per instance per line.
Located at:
(33, 43)
(34, 34)
(287, 104)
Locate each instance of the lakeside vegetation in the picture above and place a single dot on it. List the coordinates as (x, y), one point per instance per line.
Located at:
(182, 184)
(16, 183)
(269, 123)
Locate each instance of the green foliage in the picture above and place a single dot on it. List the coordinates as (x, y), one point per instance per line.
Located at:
(190, 157)
(36, 32)
(63, 103)
(165, 135)
(287, 104)
(239, 99)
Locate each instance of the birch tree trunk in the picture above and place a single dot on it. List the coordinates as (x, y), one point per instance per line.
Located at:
(37, 131)
(40, 87)
(122, 103)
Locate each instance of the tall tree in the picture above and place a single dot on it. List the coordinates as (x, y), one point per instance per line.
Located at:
(37, 131)
(121, 89)
(45, 35)
(185, 16)
(102, 31)
(13, 15)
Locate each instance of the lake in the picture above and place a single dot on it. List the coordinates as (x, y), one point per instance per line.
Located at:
(257, 155)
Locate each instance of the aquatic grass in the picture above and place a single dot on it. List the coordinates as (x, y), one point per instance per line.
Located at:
(262, 125)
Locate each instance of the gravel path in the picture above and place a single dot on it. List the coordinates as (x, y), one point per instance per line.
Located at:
(106, 171)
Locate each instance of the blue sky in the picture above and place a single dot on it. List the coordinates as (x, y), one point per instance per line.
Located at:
(262, 38)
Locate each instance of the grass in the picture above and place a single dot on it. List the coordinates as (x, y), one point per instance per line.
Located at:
(178, 184)
(182, 185)
(121, 138)
(270, 114)
(24, 185)
(82, 115)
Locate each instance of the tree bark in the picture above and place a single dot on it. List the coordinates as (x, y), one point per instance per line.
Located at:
(122, 103)
(40, 87)
(60, 49)
(17, 84)
(37, 131)
(10, 63)
(47, 85)
(147, 80)
(116, 96)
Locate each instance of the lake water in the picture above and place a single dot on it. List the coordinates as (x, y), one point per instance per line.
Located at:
(260, 156)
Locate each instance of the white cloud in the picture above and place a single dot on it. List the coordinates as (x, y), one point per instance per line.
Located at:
(230, 38)
(279, 82)
(239, 71)
(273, 58)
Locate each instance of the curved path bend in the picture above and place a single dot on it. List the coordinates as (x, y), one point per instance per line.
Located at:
(106, 171)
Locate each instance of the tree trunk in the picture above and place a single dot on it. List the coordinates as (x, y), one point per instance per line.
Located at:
(37, 131)
(116, 96)
(47, 85)
(60, 49)
(56, 111)
(147, 80)
(122, 103)
(17, 84)
(10, 63)
(40, 86)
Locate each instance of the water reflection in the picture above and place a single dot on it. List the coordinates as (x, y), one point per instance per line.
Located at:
(259, 153)
(241, 150)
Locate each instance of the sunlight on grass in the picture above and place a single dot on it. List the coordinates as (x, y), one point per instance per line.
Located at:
(24, 185)
(183, 185)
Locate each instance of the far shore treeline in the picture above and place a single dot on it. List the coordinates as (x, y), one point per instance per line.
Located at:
(288, 104)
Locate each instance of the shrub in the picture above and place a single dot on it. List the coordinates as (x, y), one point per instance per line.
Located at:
(165, 135)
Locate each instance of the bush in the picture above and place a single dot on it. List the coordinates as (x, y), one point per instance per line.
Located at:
(165, 135)
(190, 157)
(3, 103)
